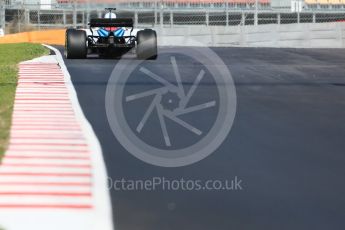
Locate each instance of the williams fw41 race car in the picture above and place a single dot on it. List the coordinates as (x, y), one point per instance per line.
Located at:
(110, 37)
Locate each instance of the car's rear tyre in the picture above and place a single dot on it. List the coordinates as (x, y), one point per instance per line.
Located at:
(147, 45)
(75, 45)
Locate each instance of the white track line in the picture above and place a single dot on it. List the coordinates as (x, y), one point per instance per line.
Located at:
(102, 202)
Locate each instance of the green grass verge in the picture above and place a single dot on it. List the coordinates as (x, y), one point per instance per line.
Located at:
(10, 56)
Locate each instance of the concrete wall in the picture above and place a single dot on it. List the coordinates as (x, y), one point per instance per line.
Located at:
(323, 35)
(281, 3)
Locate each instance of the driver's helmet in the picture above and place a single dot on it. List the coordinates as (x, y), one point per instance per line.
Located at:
(110, 16)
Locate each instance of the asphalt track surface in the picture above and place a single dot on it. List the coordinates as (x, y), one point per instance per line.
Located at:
(286, 145)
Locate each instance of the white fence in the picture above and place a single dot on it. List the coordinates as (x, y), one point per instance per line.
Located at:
(26, 18)
(323, 35)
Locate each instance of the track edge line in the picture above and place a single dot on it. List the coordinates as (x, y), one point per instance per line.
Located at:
(101, 195)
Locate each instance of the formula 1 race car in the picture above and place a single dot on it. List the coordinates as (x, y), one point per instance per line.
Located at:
(110, 37)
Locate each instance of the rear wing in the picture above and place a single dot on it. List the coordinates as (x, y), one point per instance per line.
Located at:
(105, 22)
